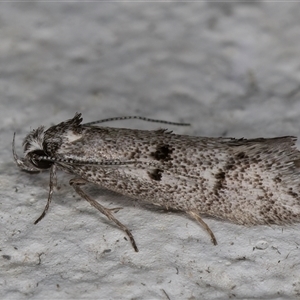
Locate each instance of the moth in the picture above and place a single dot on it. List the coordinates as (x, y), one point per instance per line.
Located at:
(245, 181)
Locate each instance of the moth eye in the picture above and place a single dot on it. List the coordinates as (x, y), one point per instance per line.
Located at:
(41, 164)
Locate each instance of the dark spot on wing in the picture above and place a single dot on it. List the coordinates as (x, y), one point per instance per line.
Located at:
(220, 177)
(155, 174)
(231, 164)
(163, 153)
(277, 179)
(241, 155)
(295, 195)
(297, 163)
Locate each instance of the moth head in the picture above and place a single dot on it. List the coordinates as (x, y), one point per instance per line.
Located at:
(35, 158)
(38, 153)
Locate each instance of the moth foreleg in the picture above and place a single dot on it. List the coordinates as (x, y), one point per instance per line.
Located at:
(52, 184)
(204, 225)
(76, 182)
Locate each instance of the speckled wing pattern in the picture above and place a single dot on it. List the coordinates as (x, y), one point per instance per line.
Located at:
(248, 182)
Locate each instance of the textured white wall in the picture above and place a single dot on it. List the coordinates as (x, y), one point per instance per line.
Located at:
(231, 69)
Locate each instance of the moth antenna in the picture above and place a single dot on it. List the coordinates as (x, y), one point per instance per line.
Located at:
(21, 162)
(136, 117)
(87, 162)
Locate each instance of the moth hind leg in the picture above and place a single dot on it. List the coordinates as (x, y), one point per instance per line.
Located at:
(195, 216)
(76, 183)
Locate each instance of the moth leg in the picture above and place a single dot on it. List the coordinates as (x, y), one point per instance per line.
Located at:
(52, 184)
(204, 225)
(76, 182)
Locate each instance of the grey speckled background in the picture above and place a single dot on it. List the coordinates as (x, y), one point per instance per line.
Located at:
(231, 69)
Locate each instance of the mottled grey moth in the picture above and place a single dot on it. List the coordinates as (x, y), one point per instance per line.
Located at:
(246, 181)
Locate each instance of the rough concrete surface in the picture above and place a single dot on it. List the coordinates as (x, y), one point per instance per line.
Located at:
(229, 68)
